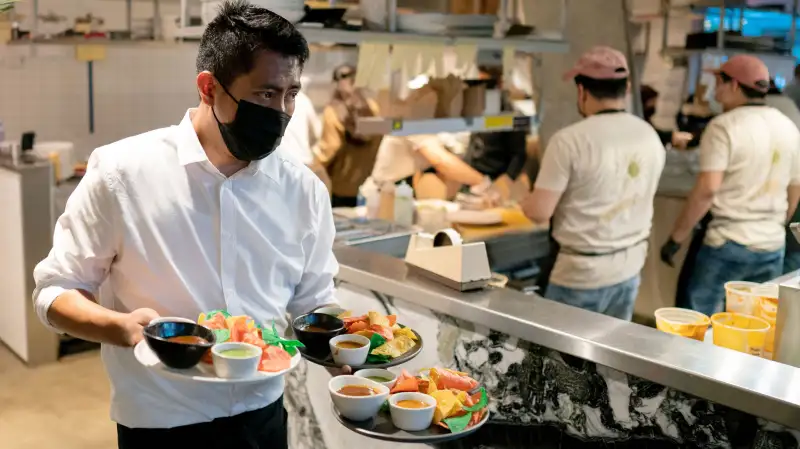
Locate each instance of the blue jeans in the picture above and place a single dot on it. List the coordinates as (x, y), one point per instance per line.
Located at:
(615, 300)
(791, 261)
(729, 262)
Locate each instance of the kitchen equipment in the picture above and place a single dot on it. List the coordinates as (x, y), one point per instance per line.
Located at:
(683, 322)
(743, 333)
(787, 322)
(742, 297)
(444, 258)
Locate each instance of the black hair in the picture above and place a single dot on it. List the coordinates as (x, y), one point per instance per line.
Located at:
(748, 92)
(603, 89)
(240, 30)
(797, 71)
(773, 88)
(648, 93)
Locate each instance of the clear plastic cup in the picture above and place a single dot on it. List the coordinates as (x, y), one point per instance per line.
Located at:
(767, 309)
(683, 322)
(741, 296)
(743, 333)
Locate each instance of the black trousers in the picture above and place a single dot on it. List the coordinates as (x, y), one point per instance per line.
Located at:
(259, 429)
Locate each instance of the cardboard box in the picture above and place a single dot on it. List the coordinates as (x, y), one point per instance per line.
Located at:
(420, 105)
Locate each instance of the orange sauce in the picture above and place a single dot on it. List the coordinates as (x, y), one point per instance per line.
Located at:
(188, 340)
(357, 390)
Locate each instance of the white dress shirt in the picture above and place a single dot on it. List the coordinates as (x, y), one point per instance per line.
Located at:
(168, 231)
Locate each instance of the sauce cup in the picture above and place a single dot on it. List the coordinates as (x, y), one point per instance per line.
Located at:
(236, 360)
(357, 408)
(177, 355)
(378, 373)
(412, 419)
(349, 356)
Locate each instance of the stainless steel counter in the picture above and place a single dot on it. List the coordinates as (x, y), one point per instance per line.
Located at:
(760, 387)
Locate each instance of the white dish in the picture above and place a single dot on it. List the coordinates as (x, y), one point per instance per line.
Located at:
(475, 217)
(348, 356)
(333, 311)
(235, 367)
(378, 372)
(412, 419)
(202, 372)
(357, 408)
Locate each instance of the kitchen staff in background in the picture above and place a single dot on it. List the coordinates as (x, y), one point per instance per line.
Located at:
(597, 182)
(750, 181)
(302, 134)
(195, 217)
(678, 139)
(348, 157)
(793, 90)
(775, 99)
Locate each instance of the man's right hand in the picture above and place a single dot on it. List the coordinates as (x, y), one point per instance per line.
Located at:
(128, 328)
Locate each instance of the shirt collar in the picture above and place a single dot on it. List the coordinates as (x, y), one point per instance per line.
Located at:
(190, 150)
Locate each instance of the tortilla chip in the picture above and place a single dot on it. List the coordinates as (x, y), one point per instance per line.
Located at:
(447, 405)
(376, 319)
(365, 333)
(394, 348)
(405, 331)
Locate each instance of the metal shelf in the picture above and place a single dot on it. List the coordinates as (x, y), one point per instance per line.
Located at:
(400, 127)
(531, 44)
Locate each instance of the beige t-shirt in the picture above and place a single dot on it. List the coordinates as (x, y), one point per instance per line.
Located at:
(758, 149)
(607, 167)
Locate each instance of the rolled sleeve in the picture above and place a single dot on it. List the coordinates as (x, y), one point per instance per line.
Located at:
(84, 241)
(316, 284)
(556, 166)
(715, 148)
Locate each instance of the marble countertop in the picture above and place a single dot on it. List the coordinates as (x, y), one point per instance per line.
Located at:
(754, 385)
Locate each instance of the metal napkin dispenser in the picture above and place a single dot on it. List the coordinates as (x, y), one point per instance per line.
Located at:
(444, 258)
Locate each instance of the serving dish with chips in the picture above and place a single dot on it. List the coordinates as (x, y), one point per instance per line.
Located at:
(390, 343)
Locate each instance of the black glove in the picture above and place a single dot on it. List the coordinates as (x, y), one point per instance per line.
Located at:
(668, 251)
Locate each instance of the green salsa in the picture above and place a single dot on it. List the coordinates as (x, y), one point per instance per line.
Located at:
(238, 353)
(379, 379)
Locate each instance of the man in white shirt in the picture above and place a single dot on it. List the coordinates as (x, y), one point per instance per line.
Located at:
(191, 218)
(597, 182)
(750, 181)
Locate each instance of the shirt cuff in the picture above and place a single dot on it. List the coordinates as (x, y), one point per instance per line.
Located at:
(42, 304)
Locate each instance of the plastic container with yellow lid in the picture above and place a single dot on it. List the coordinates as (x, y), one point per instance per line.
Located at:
(683, 322)
(743, 333)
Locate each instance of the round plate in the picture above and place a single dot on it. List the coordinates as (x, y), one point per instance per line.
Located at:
(327, 361)
(202, 372)
(381, 428)
(475, 217)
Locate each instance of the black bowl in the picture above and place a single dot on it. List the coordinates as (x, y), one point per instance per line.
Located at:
(178, 355)
(317, 342)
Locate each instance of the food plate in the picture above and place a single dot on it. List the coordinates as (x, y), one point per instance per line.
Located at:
(475, 217)
(203, 372)
(381, 428)
(327, 360)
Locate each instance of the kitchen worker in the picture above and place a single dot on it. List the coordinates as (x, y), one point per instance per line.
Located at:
(750, 181)
(347, 156)
(597, 182)
(302, 133)
(678, 139)
(195, 217)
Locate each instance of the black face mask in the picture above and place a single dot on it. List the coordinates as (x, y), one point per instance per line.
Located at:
(255, 132)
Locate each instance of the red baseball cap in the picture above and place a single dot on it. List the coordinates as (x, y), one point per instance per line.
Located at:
(747, 70)
(603, 63)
